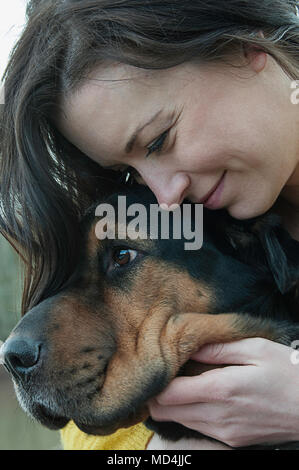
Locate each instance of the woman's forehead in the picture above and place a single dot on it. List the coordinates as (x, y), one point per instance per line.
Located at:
(112, 103)
(120, 83)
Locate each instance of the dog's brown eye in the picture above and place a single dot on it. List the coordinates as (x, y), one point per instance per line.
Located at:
(122, 256)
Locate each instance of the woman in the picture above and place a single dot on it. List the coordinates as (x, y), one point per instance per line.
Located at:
(192, 99)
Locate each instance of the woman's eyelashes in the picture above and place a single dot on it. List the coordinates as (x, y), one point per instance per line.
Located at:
(157, 145)
(130, 174)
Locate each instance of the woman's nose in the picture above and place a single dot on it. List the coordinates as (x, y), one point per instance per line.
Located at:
(170, 189)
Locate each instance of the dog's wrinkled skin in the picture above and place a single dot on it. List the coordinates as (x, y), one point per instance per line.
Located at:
(127, 322)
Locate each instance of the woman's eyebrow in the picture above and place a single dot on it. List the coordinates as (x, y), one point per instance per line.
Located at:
(131, 141)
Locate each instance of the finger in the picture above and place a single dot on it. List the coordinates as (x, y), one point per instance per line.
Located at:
(191, 414)
(208, 387)
(244, 352)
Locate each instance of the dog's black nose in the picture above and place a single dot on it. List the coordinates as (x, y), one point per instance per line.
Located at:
(20, 355)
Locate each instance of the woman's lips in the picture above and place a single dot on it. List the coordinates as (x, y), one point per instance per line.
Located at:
(212, 199)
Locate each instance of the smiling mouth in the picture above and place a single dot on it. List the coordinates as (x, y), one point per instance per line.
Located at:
(209, 194)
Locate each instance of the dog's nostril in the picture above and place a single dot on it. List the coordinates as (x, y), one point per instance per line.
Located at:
(20, 355)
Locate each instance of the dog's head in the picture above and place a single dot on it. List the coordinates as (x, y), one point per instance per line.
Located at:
(98, 350)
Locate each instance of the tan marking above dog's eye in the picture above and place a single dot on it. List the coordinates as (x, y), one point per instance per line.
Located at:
(122, 256)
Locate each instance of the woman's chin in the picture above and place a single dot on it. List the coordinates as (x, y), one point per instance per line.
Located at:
(247, 210)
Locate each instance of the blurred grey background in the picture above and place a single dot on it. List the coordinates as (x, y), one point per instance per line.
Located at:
(17, 431)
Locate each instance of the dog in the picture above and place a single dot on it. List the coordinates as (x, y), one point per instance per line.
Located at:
(134, 311)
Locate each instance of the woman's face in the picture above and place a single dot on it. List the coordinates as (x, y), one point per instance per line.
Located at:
(191, 129)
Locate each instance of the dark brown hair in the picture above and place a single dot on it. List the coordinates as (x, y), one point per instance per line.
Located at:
(46, 184)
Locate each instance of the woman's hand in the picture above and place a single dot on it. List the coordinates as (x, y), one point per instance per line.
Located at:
(253, 402)
(157, 443)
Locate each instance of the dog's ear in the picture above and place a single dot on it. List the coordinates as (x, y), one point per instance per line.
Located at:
(263, 241)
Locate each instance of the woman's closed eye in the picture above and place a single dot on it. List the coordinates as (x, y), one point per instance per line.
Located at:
(130, 173)
(157, 145)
